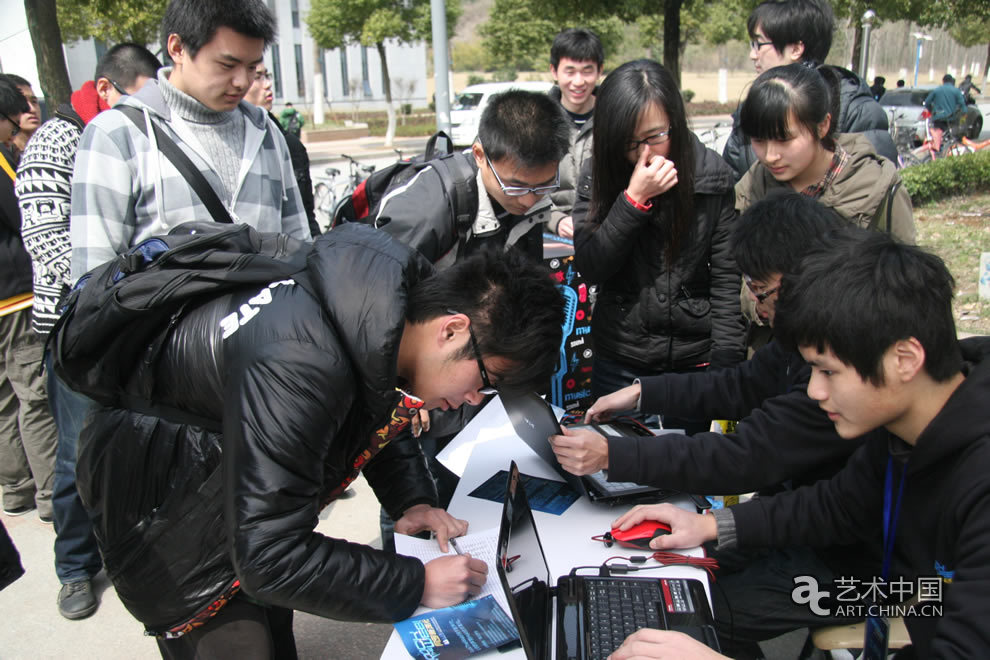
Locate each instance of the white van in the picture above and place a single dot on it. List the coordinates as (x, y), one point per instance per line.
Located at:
(465, 113)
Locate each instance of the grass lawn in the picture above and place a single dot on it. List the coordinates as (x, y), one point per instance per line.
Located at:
(958, 230)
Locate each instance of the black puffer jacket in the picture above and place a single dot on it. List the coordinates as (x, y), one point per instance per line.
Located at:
(15, 262)
(300, 383)
(649, 312)
(858, 113)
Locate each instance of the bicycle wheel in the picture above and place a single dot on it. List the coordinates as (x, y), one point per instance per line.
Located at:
(957, 149)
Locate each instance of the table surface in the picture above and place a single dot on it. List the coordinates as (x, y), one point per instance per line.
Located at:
(485, 446)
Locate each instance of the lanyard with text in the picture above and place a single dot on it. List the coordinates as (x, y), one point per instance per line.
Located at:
(890, 515)
(877, 637)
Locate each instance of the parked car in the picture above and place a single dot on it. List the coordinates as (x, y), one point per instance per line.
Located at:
(904, 107)
(465, 113)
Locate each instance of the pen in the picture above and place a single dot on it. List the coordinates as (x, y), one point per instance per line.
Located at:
(453, 544)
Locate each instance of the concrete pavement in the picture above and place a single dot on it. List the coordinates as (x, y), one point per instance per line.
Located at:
(34, 630)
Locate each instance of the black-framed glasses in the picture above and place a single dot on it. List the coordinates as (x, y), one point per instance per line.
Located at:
(17, 126)
(262, 75)
(519, 191)
(117, 86)
(656, 138)
(486, 385)
(756, 44)
(761, 297)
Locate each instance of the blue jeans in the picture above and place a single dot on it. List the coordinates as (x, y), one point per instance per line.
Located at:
(609, 376)
(77, 556)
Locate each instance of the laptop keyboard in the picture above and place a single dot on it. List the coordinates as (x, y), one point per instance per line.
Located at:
(617, 608)
(606, 486)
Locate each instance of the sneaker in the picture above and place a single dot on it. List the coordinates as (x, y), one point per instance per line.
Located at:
(76, 600)
(48, 520)
(19, 510)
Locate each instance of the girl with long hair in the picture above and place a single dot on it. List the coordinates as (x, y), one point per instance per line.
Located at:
(652, 226)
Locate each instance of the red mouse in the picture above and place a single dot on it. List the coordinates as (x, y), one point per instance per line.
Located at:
(639, 536)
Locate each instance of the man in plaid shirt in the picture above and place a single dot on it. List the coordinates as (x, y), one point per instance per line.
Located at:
(124, 190)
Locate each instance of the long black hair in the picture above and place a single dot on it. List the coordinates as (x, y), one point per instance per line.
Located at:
(621, 100)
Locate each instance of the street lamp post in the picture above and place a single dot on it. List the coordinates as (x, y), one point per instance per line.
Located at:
(920, 36)
(864, 54)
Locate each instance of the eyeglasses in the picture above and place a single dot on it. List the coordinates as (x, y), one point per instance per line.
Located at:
(756, 44)
(262, 75)
(519, 191)
(17, 126)
(486, 385)
(116, 86)
(657, 138)
(762, 296)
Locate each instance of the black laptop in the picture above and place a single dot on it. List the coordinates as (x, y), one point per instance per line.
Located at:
(594, 614)
(534, 422)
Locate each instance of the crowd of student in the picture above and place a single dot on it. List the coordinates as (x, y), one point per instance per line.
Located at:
(800, 228)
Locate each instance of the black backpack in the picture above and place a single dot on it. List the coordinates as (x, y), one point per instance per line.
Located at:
(459, 184)
(117, 318)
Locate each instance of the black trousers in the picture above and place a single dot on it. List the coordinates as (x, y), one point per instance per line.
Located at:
(241, 629)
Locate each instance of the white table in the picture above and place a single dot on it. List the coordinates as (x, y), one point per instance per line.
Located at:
(485, 446)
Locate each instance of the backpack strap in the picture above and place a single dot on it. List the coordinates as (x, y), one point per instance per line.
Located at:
(186, 167)
(460, 186)
(883, 218)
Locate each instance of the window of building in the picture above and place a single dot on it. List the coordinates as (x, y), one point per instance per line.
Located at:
(365, 80)
(294, 6)
(276, 71)
(345, 81)
(300, 77)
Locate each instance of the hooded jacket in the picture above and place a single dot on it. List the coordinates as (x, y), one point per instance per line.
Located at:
(302, 379)
(664, 316)
(858, 193)
(124, 190)
(570, 167)
(859, 112)
(943, 528)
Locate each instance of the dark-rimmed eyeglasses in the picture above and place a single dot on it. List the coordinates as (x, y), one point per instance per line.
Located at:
(761, 297)
(756, 44)
(17, 126)
(262, 75)
(486, 385)
(656, 138)
(519, 191)
(116, 85)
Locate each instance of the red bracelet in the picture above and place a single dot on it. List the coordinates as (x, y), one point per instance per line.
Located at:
(637, 205)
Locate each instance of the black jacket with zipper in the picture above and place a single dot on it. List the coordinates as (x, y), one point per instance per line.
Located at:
(664, 316)
(300, 382)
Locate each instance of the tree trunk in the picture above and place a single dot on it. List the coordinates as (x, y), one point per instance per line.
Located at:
(672, 38)
(387, 86)
(47, 39)
(986, 67)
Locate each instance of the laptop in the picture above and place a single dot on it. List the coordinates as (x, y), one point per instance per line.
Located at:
(534, 422)
(594, 614)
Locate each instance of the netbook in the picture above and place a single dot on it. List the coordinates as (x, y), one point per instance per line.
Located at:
(594, 613)
(534, 422)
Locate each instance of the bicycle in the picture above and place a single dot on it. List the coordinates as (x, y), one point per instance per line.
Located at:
(933, 147)
(710, 137)
(332, 190)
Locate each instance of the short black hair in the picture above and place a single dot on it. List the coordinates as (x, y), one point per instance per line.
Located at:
(879, 80)
(578, 44)
(784, 22)
(125, 63)
(197, 21)
(17, 81)
(12, 101)
(809, 92)
(863, 292)
(900, 82)
(947, 78)
(775, 233)
(528, 127)
(516, 312)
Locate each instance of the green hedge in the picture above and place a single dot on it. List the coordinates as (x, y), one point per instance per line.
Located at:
(947, 176)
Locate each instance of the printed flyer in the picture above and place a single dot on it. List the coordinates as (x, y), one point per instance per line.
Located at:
(457, 632)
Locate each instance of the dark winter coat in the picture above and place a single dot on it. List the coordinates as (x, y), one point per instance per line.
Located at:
(859, 112)
(301, 383)
(15, 262)
(651, 313)
(944, 523)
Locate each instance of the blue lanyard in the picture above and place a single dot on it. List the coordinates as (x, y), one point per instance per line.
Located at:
(890, 515)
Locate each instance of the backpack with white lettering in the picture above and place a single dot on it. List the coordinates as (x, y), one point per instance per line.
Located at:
(119, 315)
